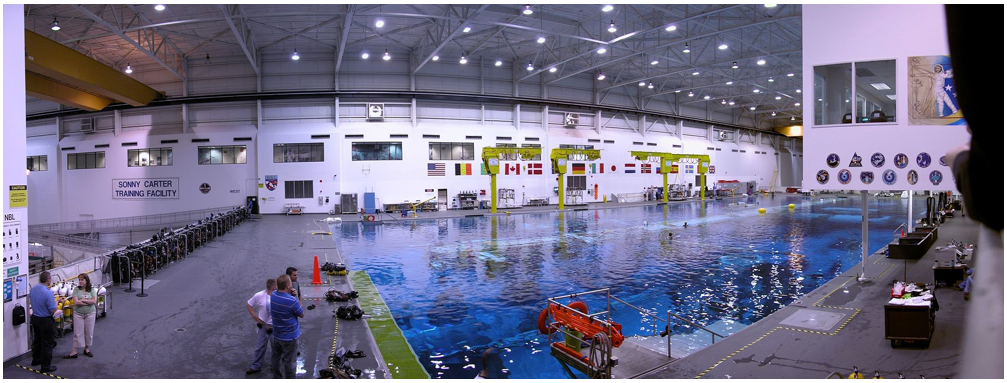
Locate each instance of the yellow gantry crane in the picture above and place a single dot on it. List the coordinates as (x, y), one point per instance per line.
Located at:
(559, 159)
(492, 156)
(666, 160)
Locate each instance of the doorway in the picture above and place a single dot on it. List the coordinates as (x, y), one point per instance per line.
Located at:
(442, 199)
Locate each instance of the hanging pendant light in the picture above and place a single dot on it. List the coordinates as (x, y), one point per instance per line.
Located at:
(387, 56)
(129, 69)
(55, 24)
(295, 56)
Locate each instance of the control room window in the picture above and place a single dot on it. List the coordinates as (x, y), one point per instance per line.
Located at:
(832, 94)
(38, 163)
(537, 157)
(149, 157)
(297, 189)
(452, 151)
(312, 152)
(215, 155)
(875, 88)
(90, 160)
(376, 151)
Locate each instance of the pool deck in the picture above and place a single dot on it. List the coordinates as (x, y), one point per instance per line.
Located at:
(853, 333)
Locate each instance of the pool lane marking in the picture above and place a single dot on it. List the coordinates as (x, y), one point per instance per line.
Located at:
(40, 372)
(856, 311)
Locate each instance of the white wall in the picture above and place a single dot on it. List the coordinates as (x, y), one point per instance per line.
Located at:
(840, 34)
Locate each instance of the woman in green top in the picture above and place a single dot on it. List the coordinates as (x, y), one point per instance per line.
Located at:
(85, 296)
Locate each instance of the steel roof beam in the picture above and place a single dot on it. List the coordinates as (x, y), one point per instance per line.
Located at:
(344, 35)
(450, 37)
(244, 36)
(176, 67)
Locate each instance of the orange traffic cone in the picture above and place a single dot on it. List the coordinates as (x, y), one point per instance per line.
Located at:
(316, 275)
(903, 233)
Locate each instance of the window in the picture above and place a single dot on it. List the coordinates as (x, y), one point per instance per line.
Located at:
(376, 151)
(449, 151)
(875, 88)
(91, 160)
(832, 98)
(576, 146)
(38, 163)
(149, 157)
(314, 152)
(215, 155)
(297, 189)
(508, 156)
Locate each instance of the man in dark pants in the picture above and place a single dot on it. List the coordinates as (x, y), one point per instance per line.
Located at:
(43, 306)
(285, 310)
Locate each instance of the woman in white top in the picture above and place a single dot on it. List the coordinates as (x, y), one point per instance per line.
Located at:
(85, 297)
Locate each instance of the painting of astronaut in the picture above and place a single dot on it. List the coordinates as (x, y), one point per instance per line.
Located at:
(932, 94)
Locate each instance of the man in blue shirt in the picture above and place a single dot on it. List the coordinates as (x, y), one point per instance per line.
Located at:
(284, 309)
(43, 306)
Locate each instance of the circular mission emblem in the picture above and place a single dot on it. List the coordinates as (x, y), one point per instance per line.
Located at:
(204, 188)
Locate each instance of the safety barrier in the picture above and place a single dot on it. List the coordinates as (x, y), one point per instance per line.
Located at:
(166, 219)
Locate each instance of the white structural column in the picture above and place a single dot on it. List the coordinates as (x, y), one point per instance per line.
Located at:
(909, 223)
(866, 247)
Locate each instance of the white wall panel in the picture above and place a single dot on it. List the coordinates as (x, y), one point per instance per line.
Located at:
(152, 118)
(36, 105)
(222, 114)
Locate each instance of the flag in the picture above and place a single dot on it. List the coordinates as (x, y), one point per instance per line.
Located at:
(594, 168)
(674, 169)
(463, 169)
(630, 168)
(435, 170)
(602, 168)
(578, 168)
(535, 168)
(645, 168)
(512, 168)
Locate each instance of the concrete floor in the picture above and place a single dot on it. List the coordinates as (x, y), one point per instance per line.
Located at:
(771, 349)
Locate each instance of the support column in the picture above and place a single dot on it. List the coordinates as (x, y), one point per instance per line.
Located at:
(493, 193)
(517, 116)
(597, 121)
(185, 118)
(412, 113)
(664, 186)
(117, 123)
(258, 114)
(702, 188)
(909, 223)
(545, 118)
(336, 113)
(562, 191)
(864, 245)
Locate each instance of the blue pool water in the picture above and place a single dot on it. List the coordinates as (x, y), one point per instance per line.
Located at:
(457, 286)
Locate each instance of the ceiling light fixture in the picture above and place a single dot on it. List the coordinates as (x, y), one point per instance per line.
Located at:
(159, 7)
(527, 10)
(552, 70)
(756, 90)
(751, 108)
(650, 85)
(770, 5)
(607, 8)
(463, 61)
(530, 67)
(797, 104)
(792, 118)
(761, 62)
(611, 27)
(723, 102)
(602, 50)
(730, 102)
(730, 83)
(774, 114)
(890, 97)
(686, 50)
(541, 40)
(771, 79)
(387, 56)
(601, 76)
(365, 56)
(207, 59)
(798, 91)
(696, 73)
(707, 97)
(498, 63)
(722, 46)
(670, 28)
(295, 56)
(436, 57)
(129, 69)
(467, 30)
(790, 75)
(380, 23)
(655, 62)
(691, 94)
(778, 97)
(642, 83)
(678, 91)
(880, 86)
(734, 65)
(55, 24)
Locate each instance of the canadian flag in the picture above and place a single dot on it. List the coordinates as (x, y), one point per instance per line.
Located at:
(512, 168)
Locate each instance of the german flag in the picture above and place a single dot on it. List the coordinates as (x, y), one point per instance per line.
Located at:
(578, 168)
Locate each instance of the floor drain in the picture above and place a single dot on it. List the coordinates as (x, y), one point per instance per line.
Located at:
(179, 330)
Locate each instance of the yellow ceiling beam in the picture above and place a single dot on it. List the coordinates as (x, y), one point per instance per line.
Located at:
(791, 131)
(51, 59)
(48, 89)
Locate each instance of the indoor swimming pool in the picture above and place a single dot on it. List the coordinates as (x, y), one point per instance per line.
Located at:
(456, 286)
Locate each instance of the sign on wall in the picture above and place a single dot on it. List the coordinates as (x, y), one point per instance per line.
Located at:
(271, 182)
(18, 196)
(933, 98)
(145, 188)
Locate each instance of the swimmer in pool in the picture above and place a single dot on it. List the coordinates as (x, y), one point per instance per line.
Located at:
(686, 225)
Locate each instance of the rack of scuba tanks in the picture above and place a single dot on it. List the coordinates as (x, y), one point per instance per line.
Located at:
(142, 259)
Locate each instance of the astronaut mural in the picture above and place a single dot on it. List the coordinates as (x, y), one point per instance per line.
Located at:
(932, 94)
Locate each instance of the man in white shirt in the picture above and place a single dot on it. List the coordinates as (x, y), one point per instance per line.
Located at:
(258, 307)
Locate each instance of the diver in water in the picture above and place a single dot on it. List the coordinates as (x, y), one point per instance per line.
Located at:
(686, 225)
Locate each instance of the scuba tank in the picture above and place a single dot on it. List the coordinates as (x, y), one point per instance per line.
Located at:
(877, 375)
(856, 374)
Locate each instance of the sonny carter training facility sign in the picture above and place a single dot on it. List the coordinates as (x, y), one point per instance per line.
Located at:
(145, 188)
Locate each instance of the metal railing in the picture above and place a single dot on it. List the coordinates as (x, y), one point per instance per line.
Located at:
(131, 222)
(71, 241)
(896, 234)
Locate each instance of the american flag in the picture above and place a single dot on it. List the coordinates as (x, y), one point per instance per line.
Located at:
(435, 170)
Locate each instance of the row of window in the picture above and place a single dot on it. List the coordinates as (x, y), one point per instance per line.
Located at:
(215, 155)
(38, 163)
(865, 92)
